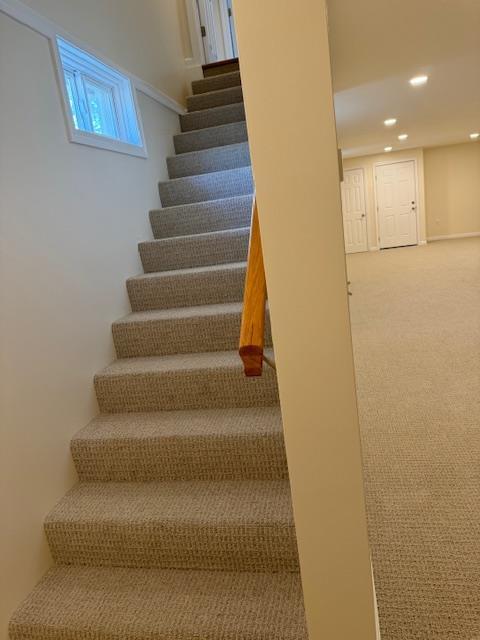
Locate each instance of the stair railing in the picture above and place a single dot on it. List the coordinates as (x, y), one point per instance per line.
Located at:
(252, 333)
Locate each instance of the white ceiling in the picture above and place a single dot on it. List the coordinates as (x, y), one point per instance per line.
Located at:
(378, 45)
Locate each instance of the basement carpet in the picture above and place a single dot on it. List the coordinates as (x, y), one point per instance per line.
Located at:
(416, 333)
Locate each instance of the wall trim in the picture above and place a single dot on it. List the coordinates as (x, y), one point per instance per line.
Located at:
(452, 236)
(30, 18)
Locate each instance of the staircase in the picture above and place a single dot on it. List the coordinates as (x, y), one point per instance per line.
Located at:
(181, 525)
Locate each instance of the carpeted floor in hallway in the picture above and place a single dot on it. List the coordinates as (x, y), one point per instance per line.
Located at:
(416, 332)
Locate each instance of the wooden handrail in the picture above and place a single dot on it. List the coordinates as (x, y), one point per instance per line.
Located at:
(252, 333)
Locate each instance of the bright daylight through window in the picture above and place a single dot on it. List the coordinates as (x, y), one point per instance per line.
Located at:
(100, 99)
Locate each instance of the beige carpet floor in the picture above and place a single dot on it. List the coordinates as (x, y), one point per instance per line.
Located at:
(416, 332)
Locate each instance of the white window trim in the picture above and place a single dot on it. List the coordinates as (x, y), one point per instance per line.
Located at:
(27, 16)
(79, 136)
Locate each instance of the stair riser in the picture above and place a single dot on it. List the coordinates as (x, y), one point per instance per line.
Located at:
(203, 217)
(186, 335)
(214, 83)
(175, 459)
(212, 117)
(172, 546)
(208, 161)
(194, 251)
(212, 186)
(187, 290)
(233, 133)
(214, 99)
(220, 69)
(219, 388)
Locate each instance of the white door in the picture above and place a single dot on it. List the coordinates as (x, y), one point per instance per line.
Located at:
(354, 211)
(207, 10)
(396, 204)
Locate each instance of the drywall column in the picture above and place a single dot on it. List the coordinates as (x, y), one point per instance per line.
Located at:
(287, 86)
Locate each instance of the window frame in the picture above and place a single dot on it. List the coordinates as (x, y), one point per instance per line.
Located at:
(103, 74)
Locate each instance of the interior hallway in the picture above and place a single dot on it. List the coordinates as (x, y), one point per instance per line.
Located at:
(416, 332)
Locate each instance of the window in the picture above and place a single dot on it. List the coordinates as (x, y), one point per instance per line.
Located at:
(100, 102)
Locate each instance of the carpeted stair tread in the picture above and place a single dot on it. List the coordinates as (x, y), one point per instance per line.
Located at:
(207, 186)
(213, 444)
(212, 117)
(181, 527)
(224, 134)
(217, 69)
(220, 158)
(217, 98)
(201, 217)
(196, 250)
(221, 81)
(183, 382)
(184, 287)
(76, 603)
(229, 525)
(213, 327)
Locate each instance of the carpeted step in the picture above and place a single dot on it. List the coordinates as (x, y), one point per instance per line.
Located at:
(187, 287)
(219, 444)
(180, 382)
(214, 99)
(209, 160)
(228, 525)
(212, 117)
(76, 603)
(225, 66)
(224, 134)
(201, 217)
(220, 81)
(198, 250)
(214, 327)
(208, 186)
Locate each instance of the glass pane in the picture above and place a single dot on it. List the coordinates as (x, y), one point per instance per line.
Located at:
(101, 108)
(72, 99)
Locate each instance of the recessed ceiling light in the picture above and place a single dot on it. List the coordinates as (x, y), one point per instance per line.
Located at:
(389, 122)
(387, 149)
(475, 136)
(417, 81)
(403, 136)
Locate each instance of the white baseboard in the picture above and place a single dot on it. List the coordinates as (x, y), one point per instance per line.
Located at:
(422, 242)
(374, 249)
(452, 236)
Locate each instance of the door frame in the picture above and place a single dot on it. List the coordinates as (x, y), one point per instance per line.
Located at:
(225, 26)
(417, 198)
(367, 217)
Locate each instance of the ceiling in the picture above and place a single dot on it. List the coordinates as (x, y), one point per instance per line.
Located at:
(378, 45)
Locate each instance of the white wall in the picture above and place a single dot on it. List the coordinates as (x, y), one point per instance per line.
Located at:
(367, 163)
(142, 36)
(70, 218)
(452, 187)
(298, 192)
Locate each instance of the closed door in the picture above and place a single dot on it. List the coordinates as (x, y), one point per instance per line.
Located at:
(207, 11)
(396, 204)
(354, 211)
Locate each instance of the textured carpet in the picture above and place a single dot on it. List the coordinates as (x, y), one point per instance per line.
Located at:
(181, 526)
(83, 603)
(416, 333)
